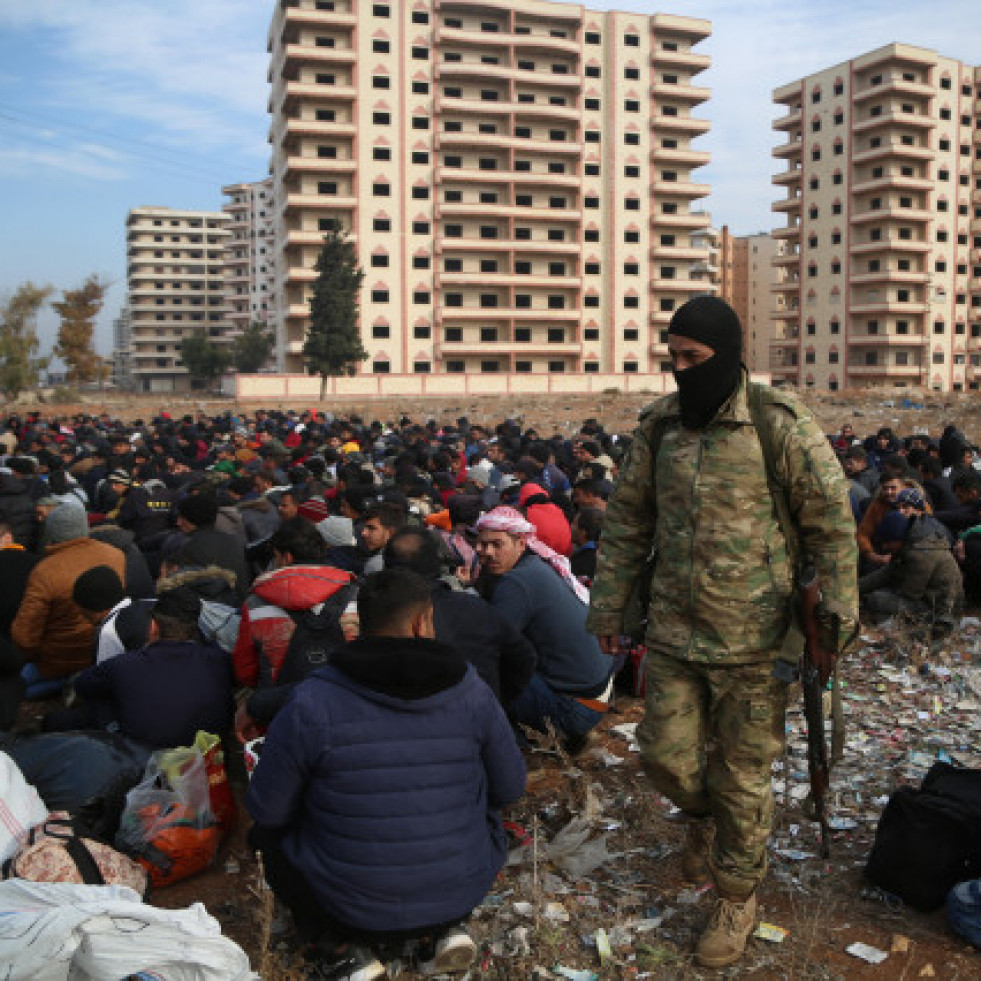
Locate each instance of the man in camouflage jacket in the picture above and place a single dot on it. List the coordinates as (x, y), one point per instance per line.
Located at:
(721, 597)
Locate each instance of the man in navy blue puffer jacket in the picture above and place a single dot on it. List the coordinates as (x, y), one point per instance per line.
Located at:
(377, 795)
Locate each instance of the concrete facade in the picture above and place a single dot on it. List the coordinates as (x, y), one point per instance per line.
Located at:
(250, 255)
(176, 286)
(516, 176)
(883, 231)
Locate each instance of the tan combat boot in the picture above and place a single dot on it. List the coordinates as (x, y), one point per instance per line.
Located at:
(699, 837)
(724, 939)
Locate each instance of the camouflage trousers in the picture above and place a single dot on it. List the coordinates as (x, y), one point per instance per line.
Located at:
(709, 736)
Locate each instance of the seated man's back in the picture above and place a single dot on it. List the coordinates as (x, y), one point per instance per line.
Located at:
(382, 777)
(163, 694)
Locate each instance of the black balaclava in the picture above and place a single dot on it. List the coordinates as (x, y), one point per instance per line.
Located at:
(703, 389)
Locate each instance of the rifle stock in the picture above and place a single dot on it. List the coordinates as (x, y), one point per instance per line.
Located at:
(812, 684)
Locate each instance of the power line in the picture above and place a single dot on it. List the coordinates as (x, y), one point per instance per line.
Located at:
(185, 161)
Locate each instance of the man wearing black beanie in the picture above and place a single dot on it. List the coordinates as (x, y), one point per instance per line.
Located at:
(728, 483)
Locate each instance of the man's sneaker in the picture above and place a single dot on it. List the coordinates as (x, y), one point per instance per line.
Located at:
(454, 953)
(699, 837)
(352, 964)
(724, 939)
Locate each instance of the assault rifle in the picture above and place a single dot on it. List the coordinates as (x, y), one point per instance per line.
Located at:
(817, 665)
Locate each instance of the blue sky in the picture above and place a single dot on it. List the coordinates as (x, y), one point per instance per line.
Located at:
(110, 104)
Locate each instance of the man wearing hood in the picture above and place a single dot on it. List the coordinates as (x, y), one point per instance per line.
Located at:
(694, 488)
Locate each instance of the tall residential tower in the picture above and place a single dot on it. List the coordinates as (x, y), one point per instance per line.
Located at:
(516, 175)
(883, 233)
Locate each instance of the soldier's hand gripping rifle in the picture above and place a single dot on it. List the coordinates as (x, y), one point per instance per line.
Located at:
(817, 665)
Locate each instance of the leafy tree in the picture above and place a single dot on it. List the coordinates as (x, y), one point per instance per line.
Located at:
(78, 310)
(252, 348)
(333, 343)
(204, 359)
(20, 367)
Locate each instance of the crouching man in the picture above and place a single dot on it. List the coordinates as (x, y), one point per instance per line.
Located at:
(376, 799)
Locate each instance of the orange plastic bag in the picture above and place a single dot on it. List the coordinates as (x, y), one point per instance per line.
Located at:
(168, 825)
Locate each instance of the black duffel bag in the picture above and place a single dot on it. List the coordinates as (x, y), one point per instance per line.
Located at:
(929, 839)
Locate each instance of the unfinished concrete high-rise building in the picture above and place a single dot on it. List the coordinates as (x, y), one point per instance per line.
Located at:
(883, 232)
(516, 176)
(175, 280)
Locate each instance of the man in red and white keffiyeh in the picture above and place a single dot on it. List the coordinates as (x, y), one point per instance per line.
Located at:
(515, 523)
(536, 591)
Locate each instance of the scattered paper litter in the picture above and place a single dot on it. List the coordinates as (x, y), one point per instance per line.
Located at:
(774, 934)
(899, 944)
(866, 952)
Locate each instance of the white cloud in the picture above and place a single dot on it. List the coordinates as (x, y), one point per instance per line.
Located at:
(78, 159)
(193, 70)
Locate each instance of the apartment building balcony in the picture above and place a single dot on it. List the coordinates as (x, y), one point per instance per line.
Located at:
(542, 110)
(789, 259)
(297, 163)
(683, 252)
(692, 95)
(477, 278)
(788, 178)
(475, 208)
(486, 348)
(290, 93)
(680, 189)
(469, 70)
(310, 127)
(474, 175)
(788, 150)
(791, 121)
(789, 205)
(309, 17)
(305, 236)
(791, 314)
(444, 245)
(893, 86)
(679, 124)
(891, 211)
(685, 156)
(317, 202)
(887, 245)
(897, 149)
(662, 58)
(299, 274)
(682, 220)
(298, 311)
(294, 56)
(789, 371)
(498, 141)
(896, 181)
(915, 340)
(913, 120)
(891, 276)
(677, 284)
(788, 286)
(523, 42)
(898, 307)
(858, 370)
(444, 314)
(238, 277)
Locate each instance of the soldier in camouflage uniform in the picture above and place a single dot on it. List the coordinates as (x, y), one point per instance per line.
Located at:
(721, 596)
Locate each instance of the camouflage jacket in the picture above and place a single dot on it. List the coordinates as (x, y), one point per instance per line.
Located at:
(723, 581)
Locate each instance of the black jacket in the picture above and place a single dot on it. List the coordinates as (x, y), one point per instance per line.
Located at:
(17, 509)
(502, 655)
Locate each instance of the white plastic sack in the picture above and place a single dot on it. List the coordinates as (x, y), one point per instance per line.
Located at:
(20, 808)
(56, 931)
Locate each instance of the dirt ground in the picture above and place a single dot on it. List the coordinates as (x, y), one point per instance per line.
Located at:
(542, 917)
(866, 410)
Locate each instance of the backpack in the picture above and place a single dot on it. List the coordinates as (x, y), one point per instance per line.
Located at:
(929, 840)
(316, 634)
(219, 623)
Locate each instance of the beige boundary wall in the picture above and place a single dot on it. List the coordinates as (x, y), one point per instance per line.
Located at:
(274, 387)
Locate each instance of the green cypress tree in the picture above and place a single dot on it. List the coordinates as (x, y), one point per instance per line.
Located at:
(333, 343)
